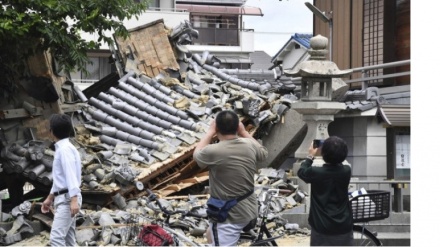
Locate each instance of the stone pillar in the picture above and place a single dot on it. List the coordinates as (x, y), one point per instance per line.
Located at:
(316, 105)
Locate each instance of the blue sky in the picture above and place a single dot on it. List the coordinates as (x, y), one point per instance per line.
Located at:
(281, 20)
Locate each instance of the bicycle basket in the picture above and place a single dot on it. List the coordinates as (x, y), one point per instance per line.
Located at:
(375, 205)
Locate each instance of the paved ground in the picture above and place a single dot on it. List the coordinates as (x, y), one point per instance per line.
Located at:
(289, 240)
(294, 240)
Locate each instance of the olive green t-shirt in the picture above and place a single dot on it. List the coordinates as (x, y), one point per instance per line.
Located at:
(232, 165)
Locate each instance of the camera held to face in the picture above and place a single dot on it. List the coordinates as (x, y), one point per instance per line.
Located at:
(317, 143)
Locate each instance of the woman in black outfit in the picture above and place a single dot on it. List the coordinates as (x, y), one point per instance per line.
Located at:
(330, 215)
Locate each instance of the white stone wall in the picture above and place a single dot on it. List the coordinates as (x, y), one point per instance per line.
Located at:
(366, 140)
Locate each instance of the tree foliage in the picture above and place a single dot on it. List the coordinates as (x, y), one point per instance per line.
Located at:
(28, 26)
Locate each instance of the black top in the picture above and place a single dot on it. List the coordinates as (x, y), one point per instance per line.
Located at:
(330, 211)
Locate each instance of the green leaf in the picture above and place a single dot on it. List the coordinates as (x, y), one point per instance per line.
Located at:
(23, 22)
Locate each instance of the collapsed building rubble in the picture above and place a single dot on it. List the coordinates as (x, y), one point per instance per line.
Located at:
(146, 127)
(119, 224)
(141, 130)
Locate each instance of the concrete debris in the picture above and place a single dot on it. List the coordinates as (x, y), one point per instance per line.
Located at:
(140, 133)
(145, 127)
(12, 239)
(13, 231)
(23, 208)
(272, 173)
(118, 225)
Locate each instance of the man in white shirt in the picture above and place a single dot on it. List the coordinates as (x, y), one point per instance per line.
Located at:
(65, 194)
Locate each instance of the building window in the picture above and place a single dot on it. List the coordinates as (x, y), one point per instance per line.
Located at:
(399, 150)
(98, 69)
(373, 37)
(215, 21)
(154, 5)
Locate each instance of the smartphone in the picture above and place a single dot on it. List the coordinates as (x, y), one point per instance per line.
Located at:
(317, 143)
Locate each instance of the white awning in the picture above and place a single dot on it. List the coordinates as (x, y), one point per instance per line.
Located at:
(213, 9)
(395, 115)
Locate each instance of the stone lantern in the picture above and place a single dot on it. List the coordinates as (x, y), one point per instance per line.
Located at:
(317, 91)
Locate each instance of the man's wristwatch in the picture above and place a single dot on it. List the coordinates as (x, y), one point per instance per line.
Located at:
(310, 157)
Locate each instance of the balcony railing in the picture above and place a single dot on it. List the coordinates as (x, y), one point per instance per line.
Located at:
(217, 36)
(166, 9)
(236, 2)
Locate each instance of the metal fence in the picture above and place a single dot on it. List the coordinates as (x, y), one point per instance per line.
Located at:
(364, 70)
(218, 36)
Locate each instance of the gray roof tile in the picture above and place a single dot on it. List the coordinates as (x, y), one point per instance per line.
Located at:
(260, 60)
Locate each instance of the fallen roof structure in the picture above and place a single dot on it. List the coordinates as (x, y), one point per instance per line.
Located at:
(138, 130)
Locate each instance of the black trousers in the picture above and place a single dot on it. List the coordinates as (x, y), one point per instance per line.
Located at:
(319, 239)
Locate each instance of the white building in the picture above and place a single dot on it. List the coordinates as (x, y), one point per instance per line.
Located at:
(219, 23)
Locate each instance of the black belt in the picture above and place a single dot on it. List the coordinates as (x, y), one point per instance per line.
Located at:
(61, 192)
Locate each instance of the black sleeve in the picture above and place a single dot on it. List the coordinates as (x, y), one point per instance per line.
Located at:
(306, 172)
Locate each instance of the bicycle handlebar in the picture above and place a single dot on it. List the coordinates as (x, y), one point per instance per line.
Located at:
(153, 197)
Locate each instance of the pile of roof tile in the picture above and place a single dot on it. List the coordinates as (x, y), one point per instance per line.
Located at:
(141, 132)
(119, 223)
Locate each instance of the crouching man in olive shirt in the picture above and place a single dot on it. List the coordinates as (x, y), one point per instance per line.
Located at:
(232, 165)
(330, 216)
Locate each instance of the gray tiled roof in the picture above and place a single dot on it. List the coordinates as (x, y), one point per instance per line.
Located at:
(363, 100)
(260, 60)
(360, 105)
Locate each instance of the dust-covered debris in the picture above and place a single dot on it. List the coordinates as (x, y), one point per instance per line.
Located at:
(140, 133)
(120, 223)
(144, 129)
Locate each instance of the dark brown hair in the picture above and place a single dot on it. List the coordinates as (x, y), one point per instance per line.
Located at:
(60, 125)
(334, 150)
